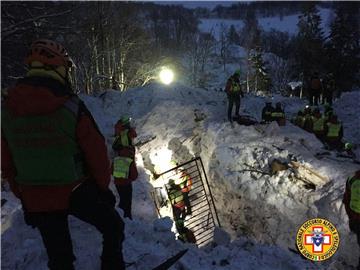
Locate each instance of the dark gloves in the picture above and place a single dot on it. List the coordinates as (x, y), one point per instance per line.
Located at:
(108, 197)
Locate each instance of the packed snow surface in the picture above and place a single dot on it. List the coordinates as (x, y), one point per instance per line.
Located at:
(261, 213)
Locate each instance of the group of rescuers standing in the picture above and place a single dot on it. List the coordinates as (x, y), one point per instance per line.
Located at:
(326, 127)
(55, 160)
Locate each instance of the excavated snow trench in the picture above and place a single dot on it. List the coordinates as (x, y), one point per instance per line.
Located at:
(269, 209)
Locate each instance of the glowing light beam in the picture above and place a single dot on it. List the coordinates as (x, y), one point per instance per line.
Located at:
(166, 76)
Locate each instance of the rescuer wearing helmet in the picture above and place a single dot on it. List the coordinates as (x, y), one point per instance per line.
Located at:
(233, 91)
(55, 159)
(124, 166)
(352, 205)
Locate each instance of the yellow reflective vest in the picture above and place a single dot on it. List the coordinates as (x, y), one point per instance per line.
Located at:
(333, 130)
(318, 124)
(121, 167)
(176, 198)
(235, 86)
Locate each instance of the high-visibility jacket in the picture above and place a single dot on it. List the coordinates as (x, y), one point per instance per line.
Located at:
(121, 167)
(184, 181)
(122, 140)
(44, 147)
(318, 124)
(333, 130)
(176, 198)
(233, 86)
(354, 184)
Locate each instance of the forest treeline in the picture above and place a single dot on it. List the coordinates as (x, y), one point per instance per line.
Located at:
(124, 44)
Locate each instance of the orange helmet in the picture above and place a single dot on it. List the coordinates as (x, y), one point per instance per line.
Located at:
(48, 52)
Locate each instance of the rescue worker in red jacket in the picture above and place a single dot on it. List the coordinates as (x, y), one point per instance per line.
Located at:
(177, 200)
(55, 159)
(124, 166)
(352, 205)
(185, 183)
(334, 133)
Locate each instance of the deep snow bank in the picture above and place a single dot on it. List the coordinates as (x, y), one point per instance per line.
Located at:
(268, 209)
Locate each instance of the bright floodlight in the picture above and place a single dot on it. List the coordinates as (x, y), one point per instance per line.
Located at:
(166, 76)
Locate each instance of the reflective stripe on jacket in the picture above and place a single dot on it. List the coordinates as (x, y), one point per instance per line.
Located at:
(278, 115)
(122, 167)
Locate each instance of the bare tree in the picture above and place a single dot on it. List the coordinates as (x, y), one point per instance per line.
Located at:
(200, 48)
(224, 44)
(280, 72)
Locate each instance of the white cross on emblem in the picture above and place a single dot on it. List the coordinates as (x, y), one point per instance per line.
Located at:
(317, 239)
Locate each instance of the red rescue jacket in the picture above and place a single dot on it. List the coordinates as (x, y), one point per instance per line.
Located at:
(40, 96)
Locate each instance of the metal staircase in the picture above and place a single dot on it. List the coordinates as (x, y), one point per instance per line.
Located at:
(204, 218)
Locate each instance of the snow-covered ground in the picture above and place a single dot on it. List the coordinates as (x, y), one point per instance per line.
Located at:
(260, 213)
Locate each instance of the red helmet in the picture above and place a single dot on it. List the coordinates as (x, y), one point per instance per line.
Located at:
(48, 52)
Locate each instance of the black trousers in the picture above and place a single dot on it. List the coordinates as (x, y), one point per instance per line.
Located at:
(85, 204)
(179, 213)
(355, 228)
(233, 99)
(125, 194)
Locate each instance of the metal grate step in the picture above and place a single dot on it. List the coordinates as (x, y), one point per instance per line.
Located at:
(203, 218)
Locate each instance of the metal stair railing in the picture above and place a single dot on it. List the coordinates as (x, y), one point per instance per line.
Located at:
(204, 218)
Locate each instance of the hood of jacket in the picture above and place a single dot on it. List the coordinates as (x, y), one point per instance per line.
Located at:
(36, 96)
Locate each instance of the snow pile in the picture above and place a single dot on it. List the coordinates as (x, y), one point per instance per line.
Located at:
(260, 212)
(247, 203)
